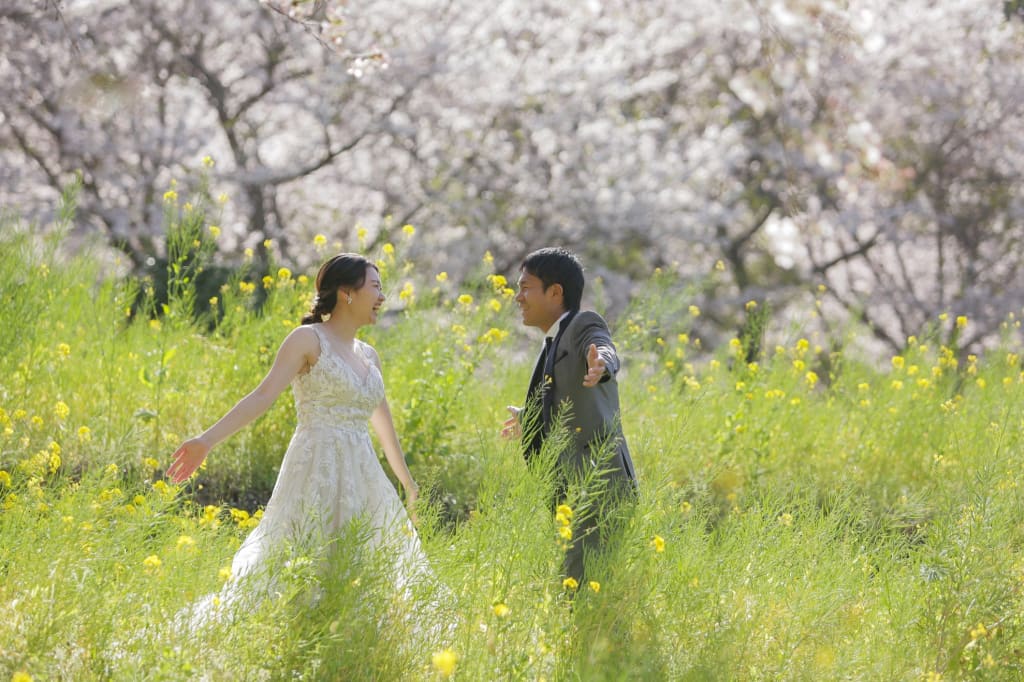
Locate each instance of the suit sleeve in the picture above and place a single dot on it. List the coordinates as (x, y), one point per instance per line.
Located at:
(594, 330)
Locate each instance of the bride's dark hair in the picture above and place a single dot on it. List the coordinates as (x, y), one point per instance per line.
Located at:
(344, 270)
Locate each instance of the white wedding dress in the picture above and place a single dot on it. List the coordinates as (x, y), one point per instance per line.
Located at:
(330, 475)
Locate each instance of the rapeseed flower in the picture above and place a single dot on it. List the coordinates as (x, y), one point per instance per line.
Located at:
(570, 584)
(444, 662)
(500, 610)
(658, 543)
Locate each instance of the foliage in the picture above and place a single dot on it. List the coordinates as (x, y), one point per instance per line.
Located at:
(802, 515)
(869, 147)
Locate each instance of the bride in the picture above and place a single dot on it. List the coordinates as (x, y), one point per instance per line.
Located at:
(330, 473)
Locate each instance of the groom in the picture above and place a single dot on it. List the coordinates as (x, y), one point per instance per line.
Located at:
(573, 384)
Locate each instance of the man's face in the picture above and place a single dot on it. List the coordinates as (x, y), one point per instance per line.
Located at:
(538, 307)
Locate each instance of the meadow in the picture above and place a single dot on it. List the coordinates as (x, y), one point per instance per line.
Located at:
(804, 514)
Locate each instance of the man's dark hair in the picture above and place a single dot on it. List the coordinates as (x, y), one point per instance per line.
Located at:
(555, 265)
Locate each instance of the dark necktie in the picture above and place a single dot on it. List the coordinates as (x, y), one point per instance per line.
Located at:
(536, 401)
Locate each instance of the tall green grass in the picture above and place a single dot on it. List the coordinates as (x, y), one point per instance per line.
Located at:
(805, 516)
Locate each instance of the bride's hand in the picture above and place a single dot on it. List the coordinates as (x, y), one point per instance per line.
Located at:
(187, 459)
(412, 494)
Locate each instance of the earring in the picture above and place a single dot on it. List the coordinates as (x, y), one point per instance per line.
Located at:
(349, 298)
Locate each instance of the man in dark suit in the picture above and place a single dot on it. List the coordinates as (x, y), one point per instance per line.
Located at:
(574, 385)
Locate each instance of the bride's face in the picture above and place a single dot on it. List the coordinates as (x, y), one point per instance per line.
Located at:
(367, 299)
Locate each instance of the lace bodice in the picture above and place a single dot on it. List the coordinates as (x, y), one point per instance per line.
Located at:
(333, 395)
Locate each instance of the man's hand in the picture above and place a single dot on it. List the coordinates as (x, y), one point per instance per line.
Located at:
(512, 428)
(595, 367)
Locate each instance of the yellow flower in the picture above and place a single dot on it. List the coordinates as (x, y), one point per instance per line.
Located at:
(389, 249)
(224, 573)
(63, 350)
(320, 241)
(570, 584)
(185, 542)
(170, 196)
(21, 676)
(719, 266)
(786, 519)
(407, 293)
(897, 361)
(961, 321)
(694, 311)
(565, 510)
(214, 231)
(466, 299)
(284, 274)
(595, 586)
(408, 230)
(360, 233)
(222, 198)
(208, 161)
(444, 662)
(488, 258)
(151, 563)
(5, 479)
(441, 277)
(500, 610)
(54, 462)
(658, 543)
(565, 532)
(811, 379)
(750, 305)
(495, 305)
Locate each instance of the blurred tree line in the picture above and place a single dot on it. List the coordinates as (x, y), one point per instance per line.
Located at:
(865, 153)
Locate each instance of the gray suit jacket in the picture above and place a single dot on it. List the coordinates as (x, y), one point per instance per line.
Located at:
(594, 419)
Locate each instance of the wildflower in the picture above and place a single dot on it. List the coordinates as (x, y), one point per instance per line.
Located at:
(750, 305)
(897, 385)
(719, 266)
(170, 196)
(268, 281)
(786, 519)
(154, 324)
(63, 350)
(224, 573)
(694, 311)
(497, 281)
(389, 249)
(897, 361)
(495, 305)
(466, 299)
(361, 233)
(658, 543)
(565, 510)
(21, 676)
(284, 274)
(208, 161)
(5, 479)
(320, 241)
(565, 532)
(488, 258)
(570, 584)
(811, 379)
(185, 542)
(500, 610)
(961, 322)
(54, 462)
(441, 277)
(408, 292)
(408, 230)
(444, 662)
(595, 586)
(151, 563)
(214, 231)
(61, 410)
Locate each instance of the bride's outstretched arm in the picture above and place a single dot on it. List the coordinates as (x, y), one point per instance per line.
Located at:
(295, 353)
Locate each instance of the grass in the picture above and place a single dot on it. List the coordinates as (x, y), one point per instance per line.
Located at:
(809, 516)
